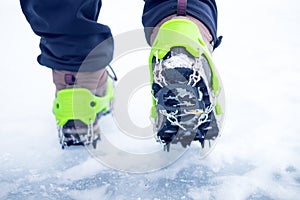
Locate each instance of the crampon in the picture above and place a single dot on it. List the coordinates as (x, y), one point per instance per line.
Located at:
(185, 88)
(78, 112)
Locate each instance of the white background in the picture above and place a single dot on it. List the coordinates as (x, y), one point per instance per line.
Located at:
(258, 156)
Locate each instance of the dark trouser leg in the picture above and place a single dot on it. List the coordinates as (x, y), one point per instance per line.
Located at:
(69, 32)
(205, 11)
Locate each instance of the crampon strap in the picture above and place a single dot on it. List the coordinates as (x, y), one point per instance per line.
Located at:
(181, 7)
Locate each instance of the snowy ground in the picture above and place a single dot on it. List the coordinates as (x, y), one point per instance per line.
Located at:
(258, 156)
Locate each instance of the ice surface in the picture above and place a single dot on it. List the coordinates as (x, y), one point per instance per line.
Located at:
(258, 156)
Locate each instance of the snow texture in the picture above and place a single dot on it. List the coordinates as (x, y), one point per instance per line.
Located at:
(257, 157)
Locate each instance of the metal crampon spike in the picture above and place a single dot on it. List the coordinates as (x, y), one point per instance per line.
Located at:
(73, 136)
(184, 101)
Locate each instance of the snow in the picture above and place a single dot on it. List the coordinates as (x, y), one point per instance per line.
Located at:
(256, 158)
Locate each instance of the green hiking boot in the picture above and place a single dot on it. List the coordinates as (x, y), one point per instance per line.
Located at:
(77, 112)
(186, 89)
